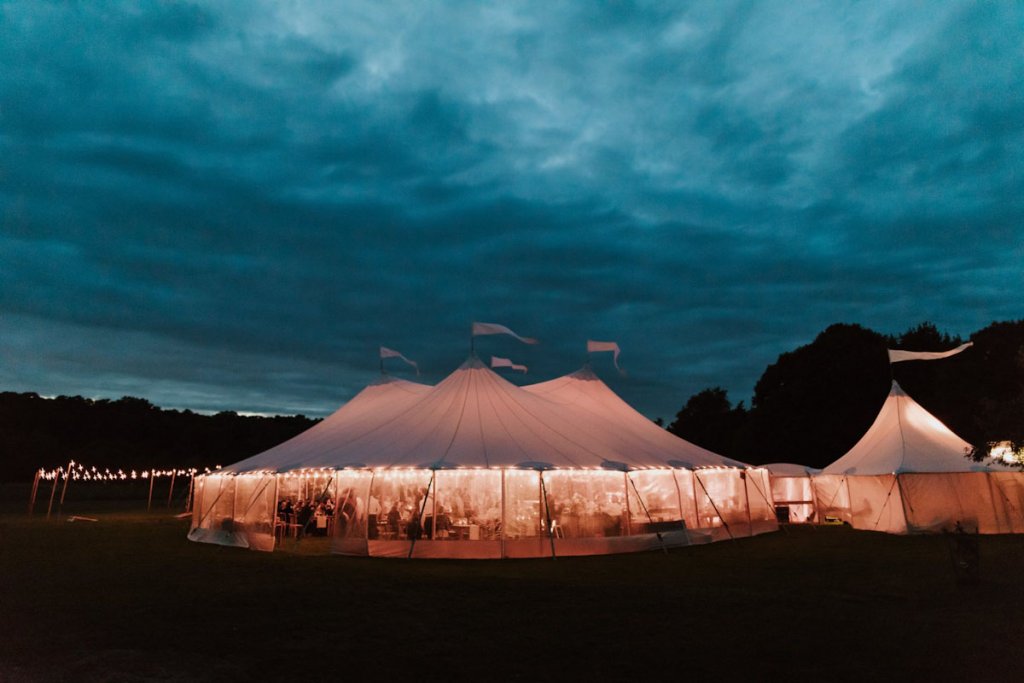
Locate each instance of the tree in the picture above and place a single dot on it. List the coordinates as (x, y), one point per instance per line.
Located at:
(709, 420)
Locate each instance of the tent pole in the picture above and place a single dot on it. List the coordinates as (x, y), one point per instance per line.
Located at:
(234, 502)
(433, 510)
(170, 493)
(547, 513)
(696, 508)
(746, 497)
(64, 489)
(423, 509)
(273, 511)
(191, 491)
(149, 503)
(35, 489)
(501, 531)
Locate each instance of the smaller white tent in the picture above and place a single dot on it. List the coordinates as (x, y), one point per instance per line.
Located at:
(793, 492)
(909, 473)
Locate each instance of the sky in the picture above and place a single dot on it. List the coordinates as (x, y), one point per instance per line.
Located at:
(231, 206)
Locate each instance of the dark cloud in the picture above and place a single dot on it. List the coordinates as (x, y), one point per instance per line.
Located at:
(231, 206)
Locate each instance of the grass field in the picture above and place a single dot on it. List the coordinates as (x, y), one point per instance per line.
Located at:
(128, 598)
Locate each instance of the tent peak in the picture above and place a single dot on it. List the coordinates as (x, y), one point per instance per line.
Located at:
(472, 362)
(585, 374)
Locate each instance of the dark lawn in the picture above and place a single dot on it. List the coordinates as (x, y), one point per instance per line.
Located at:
(129, 598)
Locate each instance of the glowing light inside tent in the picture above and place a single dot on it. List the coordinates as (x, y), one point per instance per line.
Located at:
(921, 419)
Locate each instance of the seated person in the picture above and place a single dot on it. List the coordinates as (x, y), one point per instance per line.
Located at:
(393, 519)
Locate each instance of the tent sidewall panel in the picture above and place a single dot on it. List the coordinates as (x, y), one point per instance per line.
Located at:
(937, 501)
(876, 503)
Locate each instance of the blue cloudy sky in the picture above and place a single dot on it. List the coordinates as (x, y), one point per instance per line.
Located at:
(232, 205)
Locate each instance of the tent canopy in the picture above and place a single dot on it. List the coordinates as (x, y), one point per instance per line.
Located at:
(907, 438)
(476, 418)
(789, 469)
(593, 404)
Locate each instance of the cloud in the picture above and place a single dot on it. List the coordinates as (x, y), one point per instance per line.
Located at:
(209, 189)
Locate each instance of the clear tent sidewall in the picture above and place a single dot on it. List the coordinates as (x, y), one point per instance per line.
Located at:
(490, 513)
(924, 502)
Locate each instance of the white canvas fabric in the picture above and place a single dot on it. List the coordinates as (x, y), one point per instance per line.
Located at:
(599, 346)
(497, 362)
(385, 352)
(907, 438)
(368, 412)
(909, 473)
(476, 418)
(587, 400)
(494, 328)
(898, 356)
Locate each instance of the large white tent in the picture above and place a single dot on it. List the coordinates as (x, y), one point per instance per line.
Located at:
(909, 473)
(478, 467)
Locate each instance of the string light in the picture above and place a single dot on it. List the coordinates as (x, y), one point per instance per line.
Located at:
(78, 471)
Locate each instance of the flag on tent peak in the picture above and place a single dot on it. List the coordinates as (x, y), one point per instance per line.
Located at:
(595, 346)
(385, 352)
(493, 328)
(506, 363)
(898, 356)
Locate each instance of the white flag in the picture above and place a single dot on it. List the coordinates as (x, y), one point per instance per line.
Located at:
(385, 352)
(593, 346)
(897, 356)
(493, 328)
(506, 363)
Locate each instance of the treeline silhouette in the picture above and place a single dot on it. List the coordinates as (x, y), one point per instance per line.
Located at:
(810, 407)
(815, 402)
(127, 433)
